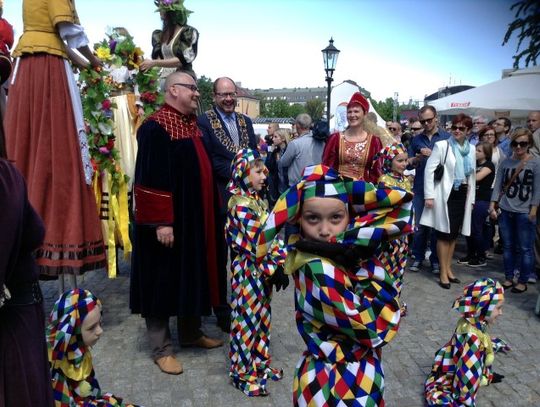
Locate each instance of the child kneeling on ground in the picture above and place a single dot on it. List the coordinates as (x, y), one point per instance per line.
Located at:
(74, 327)
(464, 363)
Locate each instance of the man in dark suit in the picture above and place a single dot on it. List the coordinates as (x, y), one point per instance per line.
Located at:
(224, 133)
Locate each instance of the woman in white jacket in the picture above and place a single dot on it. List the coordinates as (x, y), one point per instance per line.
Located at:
(448, 202)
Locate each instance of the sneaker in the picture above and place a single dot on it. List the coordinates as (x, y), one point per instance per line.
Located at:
(532, 280)
(435, 269)
(415, 266)
(477, 263)
(465, 260)
(488, 255)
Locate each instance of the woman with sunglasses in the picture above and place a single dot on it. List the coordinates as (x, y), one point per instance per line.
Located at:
(454, 193)
(517, 193)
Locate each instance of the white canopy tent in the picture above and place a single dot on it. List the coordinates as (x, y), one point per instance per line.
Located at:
(513, 97)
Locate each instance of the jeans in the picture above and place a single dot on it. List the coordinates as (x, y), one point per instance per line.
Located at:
(422, 234)
(518, 234)
(478, 238)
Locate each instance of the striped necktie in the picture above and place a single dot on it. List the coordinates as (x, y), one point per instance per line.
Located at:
(233, 131)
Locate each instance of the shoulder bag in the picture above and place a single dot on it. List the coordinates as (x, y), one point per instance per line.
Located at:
(439, 171)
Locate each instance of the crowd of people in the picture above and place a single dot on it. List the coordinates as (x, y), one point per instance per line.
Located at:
(341, 214)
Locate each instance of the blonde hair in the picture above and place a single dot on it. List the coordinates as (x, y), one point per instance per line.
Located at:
(522, 131)
(285, 135)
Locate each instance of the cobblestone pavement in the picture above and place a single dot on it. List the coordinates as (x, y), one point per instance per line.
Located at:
(124, 367)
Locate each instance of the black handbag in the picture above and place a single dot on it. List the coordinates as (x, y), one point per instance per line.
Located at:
(439, 171)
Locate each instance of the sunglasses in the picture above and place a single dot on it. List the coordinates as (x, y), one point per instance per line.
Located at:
(460, 128)
(392, 128)
(428, 121)
(521, 144)
(417, 128)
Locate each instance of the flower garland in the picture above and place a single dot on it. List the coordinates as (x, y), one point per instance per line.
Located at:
(117, 51)
(95, 93)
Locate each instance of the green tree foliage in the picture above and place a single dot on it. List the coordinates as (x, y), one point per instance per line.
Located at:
(315, 108)
(527, 27)
(205, 89)
(280, 108)
(385, 108)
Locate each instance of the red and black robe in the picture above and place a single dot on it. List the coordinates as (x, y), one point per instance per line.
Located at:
(174, 187)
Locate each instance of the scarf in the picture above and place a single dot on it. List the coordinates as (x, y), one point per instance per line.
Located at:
(377, 214)
(464, 164)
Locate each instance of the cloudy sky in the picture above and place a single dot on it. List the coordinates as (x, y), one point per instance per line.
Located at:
(412, 47)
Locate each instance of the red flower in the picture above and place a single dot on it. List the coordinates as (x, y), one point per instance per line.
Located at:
(148, 97)
(106, 104)
(110, 144)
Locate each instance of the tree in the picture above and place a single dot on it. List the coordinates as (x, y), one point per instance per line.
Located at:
(315, 108)
(280, 108)
(385, 108)
(206, 90)
(527, 25)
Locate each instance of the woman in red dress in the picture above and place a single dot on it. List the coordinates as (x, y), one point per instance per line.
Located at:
(351, 152)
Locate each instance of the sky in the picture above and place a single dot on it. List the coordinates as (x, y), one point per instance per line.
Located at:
(412, 47)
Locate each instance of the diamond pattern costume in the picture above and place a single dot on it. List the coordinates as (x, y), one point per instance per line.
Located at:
(345, 311)
(390, 178)
(73, 378)
(250, 292)
(464, 363)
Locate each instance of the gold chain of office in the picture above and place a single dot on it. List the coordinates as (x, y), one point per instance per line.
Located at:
(224, 139)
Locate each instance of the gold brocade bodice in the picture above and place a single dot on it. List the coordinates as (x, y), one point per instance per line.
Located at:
(40, 34)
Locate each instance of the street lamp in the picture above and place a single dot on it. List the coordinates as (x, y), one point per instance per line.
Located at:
(330, 55)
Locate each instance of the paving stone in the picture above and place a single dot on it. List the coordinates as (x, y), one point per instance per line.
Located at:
(124, 366)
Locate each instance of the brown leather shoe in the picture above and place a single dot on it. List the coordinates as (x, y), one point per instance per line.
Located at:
(169, 364)
(205, 342)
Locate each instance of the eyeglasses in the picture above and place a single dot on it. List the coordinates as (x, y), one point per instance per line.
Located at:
(479, 122)
(392, 128)
(489, 135)
(189, 86)
(417, 128)
(460, 128)
(521, 144)
(428, 121)
(226, 94)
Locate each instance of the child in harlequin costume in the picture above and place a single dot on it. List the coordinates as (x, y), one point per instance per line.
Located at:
(394, 163)
(346, 298)
(252, 280)
(464, 363)
(74, 327)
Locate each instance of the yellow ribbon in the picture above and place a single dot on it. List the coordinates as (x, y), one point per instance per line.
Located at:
(116, 223)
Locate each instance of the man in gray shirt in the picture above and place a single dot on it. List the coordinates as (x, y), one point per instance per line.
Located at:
(302, 151)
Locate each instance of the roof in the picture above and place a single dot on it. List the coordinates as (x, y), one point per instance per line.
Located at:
(267, 120)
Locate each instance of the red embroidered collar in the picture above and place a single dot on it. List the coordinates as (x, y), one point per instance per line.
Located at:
(177, 124)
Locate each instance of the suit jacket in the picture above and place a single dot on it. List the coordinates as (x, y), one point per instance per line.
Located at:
(220, 155)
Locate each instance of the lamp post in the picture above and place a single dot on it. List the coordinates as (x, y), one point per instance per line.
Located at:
(330, 55)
